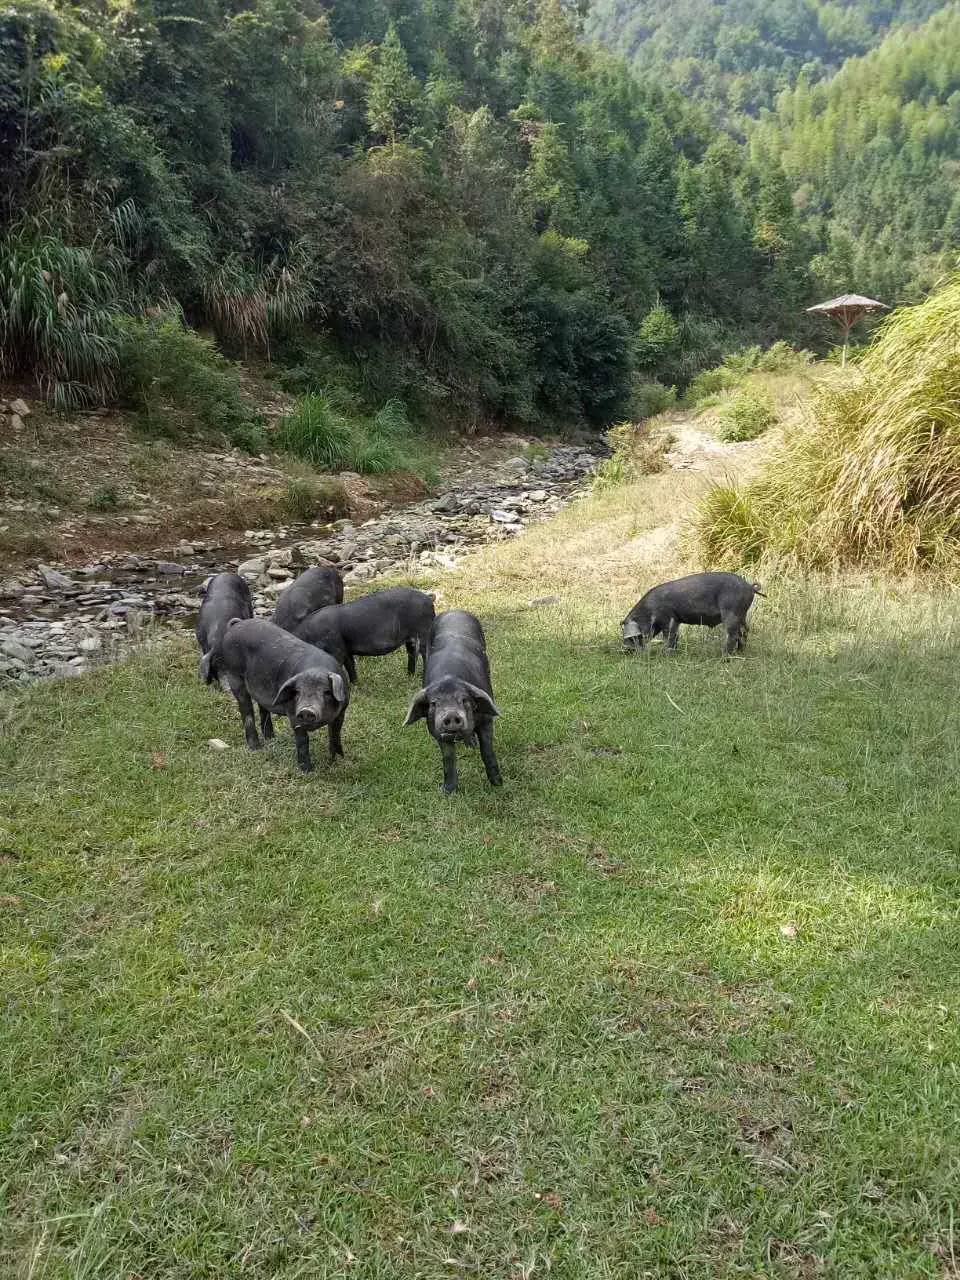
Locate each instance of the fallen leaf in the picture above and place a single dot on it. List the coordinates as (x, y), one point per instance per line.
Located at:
(217, 744)
(9, 900)
(158, 760)
(428, 1092)
(471, 984)
(788, 930)
(651, 1217)
(459, 1228)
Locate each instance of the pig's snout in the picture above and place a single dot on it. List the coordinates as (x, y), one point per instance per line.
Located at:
(451, 721)
(307, 718)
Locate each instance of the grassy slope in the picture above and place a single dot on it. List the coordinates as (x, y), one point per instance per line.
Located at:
(553, 1028)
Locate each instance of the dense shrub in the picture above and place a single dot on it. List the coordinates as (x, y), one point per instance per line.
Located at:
(746, 416)
(647, 399)
(177, 383)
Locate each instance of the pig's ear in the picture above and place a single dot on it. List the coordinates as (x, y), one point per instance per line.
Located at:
(418, 708)
(486, 702)
(286, 691)
(337, 687)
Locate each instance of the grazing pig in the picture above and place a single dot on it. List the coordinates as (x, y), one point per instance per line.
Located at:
(371, 626)
(315, 588)
(704, 599)
(457, 697)
(267, 665)
(225, 596)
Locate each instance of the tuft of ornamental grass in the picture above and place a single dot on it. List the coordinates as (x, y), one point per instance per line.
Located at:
(872, 476)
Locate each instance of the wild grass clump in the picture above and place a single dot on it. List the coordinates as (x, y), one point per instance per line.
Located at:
(872, 477)
(177, 383)
(57, 308)
(637, 449)
(746, 416)
(330, 438)
(307, 497)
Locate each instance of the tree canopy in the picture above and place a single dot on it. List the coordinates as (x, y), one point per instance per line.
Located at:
(460, 189)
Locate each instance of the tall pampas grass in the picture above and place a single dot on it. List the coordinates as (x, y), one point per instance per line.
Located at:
(872, 475)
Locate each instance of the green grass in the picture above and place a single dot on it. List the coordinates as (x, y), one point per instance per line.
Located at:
(328, 436)
(266, 1025)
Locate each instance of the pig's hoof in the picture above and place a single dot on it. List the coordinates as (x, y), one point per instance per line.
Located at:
(447, 791)
(497, 781)
(254, 744)
(305, 766)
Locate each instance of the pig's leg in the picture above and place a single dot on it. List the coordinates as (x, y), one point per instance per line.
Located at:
(302, 740)
(266, 724)
(333, 735)
(246, 714)
(411, 648)
(350, 667)
(742, 641)
(671, 635)
(449, 752)
(732, 624)
(485, 734)
(423, 644)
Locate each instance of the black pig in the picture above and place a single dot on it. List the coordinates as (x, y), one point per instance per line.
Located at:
(225, 596)
(266, 665)
(313, 589)
(457, 697)
(704, 599)
(372, 625)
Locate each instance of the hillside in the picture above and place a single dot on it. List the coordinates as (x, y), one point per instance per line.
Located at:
(439, 209)
(873, 157)
(735, 56)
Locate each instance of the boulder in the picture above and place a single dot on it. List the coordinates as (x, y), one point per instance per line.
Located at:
(53, 580)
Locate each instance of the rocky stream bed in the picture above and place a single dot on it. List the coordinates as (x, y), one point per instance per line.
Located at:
(57, 621)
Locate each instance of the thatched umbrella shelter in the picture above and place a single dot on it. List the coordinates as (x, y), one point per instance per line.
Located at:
(846, 311)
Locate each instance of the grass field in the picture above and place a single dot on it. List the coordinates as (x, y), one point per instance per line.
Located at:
(681, 1000)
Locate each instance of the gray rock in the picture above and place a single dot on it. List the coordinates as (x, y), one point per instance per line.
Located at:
(449, 503)
(544, 602)
(20, 407)
(89, 644)
(251, 568)
(169, 568)
(504, 517)
(14, 649)
(53, 580)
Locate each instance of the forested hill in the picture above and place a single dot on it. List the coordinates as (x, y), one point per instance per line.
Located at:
(458, 196)
(737, 55)
(873, 159)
